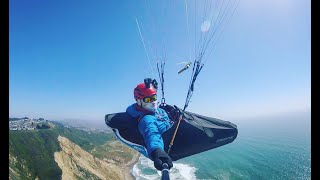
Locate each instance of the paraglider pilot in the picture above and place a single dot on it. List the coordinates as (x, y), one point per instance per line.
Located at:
(152, 121)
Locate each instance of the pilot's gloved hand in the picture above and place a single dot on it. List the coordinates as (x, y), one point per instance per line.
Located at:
(160, 157)
(175, 113)
(172, 111)
(166, 107)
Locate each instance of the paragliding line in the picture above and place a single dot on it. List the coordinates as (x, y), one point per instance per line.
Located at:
(144, 46)
(196, 70)
(161, 77)
(225, 25)
(187, 17)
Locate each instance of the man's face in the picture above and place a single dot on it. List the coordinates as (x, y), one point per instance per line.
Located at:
(149, 103)
(152, 106)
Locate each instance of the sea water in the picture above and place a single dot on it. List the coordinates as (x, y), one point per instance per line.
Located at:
(273, 147)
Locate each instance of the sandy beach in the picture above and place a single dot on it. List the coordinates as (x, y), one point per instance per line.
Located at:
(129, 166)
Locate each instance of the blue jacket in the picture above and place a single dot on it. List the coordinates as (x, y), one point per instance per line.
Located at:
(151, 126)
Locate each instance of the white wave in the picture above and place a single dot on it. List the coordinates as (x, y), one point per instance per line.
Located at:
(145, 162)
(144, 170)
(138, 174)
(144, 165)
(183, 171)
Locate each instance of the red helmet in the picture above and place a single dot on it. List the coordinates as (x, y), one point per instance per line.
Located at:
(142, 91)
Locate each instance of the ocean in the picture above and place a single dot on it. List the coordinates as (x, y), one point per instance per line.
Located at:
(273, 147)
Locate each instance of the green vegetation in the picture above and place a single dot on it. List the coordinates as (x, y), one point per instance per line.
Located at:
(99, 144)
(115, 151)
(86, 140)
(14, 119)
(31, 153)
(43, 126)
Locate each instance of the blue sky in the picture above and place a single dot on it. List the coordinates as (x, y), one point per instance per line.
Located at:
(82, 59)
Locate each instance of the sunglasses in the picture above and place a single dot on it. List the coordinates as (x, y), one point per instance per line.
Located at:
(150, 99)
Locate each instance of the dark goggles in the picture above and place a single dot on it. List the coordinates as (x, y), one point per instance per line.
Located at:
(150, 99)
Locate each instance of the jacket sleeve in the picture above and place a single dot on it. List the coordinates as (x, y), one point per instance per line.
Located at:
(151, 135)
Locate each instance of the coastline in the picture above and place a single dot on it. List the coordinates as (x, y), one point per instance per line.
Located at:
(128, 167)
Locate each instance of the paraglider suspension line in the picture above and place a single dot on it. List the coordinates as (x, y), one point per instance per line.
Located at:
(196, 70)
(161, 77)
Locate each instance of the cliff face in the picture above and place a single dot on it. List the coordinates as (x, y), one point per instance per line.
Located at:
(77, 163)
(68, 153)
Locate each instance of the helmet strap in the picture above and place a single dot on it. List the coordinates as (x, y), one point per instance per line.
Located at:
(139, 102)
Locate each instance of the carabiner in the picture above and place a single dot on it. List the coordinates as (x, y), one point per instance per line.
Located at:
(163, 101)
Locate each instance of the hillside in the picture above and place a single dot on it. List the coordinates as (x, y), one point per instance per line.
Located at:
(77, 163)
(66, 153)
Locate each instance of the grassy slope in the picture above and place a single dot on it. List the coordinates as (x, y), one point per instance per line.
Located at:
(85, 140)
(34, 150)
(34, 153)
